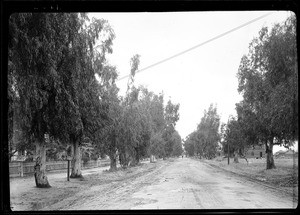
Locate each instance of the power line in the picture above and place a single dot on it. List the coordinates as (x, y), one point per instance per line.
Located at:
(201, 44)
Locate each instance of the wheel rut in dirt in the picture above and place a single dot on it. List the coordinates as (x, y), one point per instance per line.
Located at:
(110, 188)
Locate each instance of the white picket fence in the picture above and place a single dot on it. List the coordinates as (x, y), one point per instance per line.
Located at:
(20, 168)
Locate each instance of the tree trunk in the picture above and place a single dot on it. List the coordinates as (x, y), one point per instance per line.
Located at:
(113, 161)
(243, 155)
(151, 158)
(76, 161)
(121, 159)
(124, 159)
(135, 159)
(269, 151)
(41, 179)
(235, 159)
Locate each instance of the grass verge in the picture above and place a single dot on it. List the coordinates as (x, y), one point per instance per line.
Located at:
(285, 176)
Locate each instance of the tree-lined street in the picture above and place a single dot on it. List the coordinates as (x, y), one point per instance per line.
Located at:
(66, 103)
(173, 184)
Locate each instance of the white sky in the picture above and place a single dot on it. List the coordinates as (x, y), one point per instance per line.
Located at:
(197, 78)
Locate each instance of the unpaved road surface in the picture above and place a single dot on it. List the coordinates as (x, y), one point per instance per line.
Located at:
(172, 184)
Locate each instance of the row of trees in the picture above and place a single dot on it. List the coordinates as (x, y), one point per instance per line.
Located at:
(268, 82)
(139, 126)
(203, 142)
(62, 93)
(268, 113)
(52, 89)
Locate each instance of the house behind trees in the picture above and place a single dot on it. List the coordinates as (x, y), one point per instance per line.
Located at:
(257, 151)
(286, 154)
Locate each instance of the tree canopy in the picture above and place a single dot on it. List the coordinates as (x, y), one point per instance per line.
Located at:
(63, 96)
(268, 81)
(204, 140)
(52, 84)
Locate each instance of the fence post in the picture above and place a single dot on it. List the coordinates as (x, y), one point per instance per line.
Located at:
(68, 167)
(68, 175)
(21, 169)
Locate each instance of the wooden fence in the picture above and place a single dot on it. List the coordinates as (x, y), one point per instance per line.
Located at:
(20, 168)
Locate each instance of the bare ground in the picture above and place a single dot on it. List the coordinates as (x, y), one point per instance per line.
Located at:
(284, 177)
(172, 184)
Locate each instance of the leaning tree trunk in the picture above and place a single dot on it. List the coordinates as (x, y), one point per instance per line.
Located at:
(269, 151)
(76, 161)
(243, 156)
(41, 179)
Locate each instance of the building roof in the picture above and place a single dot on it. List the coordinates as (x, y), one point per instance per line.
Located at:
(280, 152)
(289, 152)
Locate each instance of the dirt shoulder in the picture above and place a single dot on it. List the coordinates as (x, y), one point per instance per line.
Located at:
(110, 189)
(97, 183)
(283, 179)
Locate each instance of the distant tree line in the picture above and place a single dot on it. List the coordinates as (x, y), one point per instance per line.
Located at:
(203, 142)
(63, 97)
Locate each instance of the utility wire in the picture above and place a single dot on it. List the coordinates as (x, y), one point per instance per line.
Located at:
(197, 46)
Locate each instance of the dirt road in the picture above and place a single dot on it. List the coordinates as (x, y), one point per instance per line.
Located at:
(172, 184)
